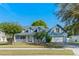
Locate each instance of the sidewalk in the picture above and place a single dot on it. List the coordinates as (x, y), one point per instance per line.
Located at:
(32, 48)
(75, 50)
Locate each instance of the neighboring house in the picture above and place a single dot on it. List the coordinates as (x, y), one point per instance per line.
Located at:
(2, 37)
(74, 38)
(58, 34)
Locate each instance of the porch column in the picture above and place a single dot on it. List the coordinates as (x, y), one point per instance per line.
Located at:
(26, 38)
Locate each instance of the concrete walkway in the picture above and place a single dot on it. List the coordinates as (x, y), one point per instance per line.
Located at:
(32, 48)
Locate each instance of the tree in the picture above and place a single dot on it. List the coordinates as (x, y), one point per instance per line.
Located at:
(69, 13)
(48, 38)
(43, 35)
(40, 36)
(10, 29)
(39, 23)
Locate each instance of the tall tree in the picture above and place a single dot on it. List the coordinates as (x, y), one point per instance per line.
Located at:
(10, 29)
(39, 23)
(69, 13)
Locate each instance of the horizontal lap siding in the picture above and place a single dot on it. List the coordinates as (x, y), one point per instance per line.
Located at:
(57, 39)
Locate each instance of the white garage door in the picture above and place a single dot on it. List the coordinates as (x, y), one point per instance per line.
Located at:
(57, 39)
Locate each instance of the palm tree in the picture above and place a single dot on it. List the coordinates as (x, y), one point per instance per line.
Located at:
(69, 13)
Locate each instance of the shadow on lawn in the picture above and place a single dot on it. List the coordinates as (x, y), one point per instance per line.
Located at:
(45, 45)
(49, 45)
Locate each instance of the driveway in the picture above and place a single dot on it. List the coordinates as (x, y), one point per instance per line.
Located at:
(74, 48)
(76, 51)
(71, 46)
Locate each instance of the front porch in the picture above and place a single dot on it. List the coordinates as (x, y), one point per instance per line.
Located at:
(24, 38)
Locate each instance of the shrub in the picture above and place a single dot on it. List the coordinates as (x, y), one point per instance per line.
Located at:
(48, 39)
(53, 45)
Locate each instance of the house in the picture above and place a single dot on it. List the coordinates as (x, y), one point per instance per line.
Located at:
(27, 35)
(74, 38)
(58, 34)
(2, 36)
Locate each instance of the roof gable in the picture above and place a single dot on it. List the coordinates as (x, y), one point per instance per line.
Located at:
(57, 30)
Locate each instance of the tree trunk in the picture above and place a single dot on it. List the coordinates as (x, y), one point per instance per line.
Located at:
(12, 40)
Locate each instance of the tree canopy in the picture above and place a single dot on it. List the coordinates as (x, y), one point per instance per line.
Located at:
(69, 13)
(10, 29)
(39, 23)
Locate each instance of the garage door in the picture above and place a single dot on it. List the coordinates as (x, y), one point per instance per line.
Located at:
(57, 39)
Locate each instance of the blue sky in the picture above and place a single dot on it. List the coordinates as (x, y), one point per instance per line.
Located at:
(27, 13)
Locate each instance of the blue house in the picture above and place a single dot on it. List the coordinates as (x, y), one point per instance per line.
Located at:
(27, 34)
(57, 33)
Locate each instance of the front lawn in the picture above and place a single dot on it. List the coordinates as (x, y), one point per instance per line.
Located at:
(20, 45)
(29, 45)
(36, 52)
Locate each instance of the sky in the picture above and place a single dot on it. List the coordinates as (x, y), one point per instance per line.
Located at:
(26, 13)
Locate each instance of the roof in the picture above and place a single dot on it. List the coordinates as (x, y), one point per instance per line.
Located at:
(41, 28)
(61, 28)
(24, 34)
(33, 27)
(63, 33)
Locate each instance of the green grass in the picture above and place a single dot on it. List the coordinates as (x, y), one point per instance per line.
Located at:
(36, 52)
(29, 45)
(20, 45)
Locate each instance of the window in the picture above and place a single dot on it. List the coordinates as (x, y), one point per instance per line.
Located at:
(35, 30)
(20, 37)
(17, 37)
(26, 30)
(75, 40)
(57, 29)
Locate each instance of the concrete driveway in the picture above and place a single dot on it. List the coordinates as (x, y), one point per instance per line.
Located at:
(71, 46)
(74, 48)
